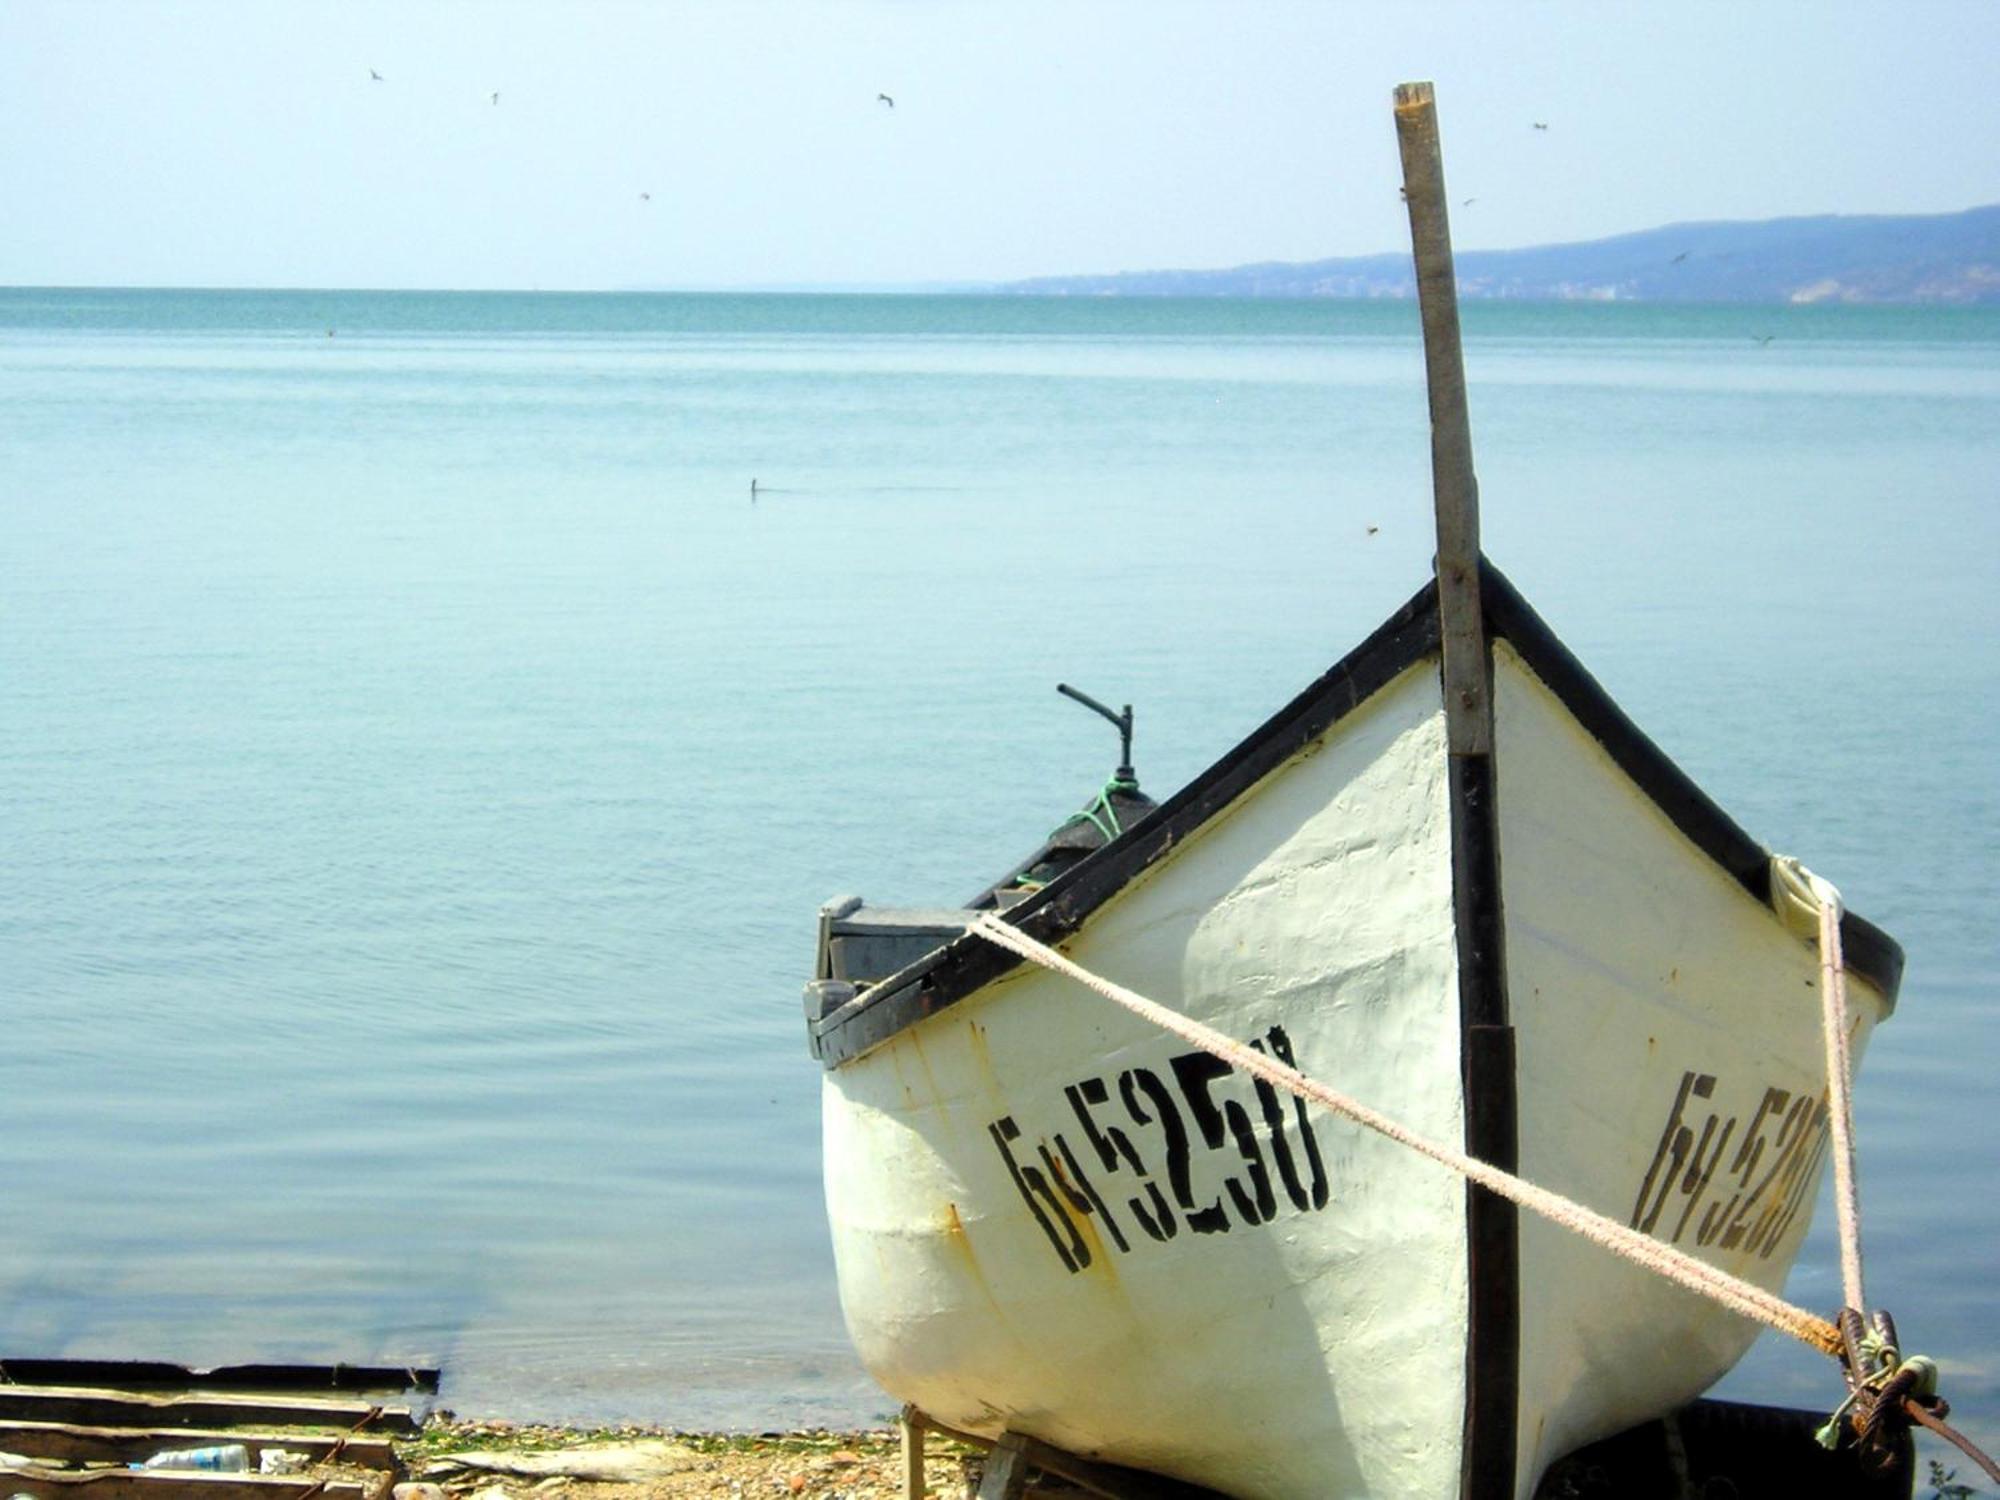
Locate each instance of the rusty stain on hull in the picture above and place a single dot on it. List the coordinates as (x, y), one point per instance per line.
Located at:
(959, 1242)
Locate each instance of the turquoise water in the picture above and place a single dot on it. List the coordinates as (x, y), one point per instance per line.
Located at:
(421, 761)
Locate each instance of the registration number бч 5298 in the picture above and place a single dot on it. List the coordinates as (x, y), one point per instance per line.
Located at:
(1125, 1124)
(1694, 1188)
(1697, 1190)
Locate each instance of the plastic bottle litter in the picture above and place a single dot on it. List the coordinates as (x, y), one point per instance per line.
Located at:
(223, 1458)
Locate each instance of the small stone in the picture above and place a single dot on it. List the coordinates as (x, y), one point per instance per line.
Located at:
(796, 1483)
(417, 1490)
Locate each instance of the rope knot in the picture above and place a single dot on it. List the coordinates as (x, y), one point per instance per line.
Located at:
(1883, 1387)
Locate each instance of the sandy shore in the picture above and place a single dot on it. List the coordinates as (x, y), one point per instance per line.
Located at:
(860, 1465)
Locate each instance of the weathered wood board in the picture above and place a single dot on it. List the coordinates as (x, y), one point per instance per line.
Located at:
(156, 1375)
(152, 1484)
(79, 1445)
(105, 1408)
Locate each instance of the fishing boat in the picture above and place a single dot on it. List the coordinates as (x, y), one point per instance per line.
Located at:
(1451, 877)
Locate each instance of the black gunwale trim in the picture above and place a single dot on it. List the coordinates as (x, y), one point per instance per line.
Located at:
(1409, 636)
(968, 963)
(1866, 948)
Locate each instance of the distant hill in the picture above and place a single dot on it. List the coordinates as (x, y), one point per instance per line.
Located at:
(1947, 258)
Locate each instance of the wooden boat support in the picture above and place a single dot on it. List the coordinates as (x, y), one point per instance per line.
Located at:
(79, 1442)
(1014, 1458)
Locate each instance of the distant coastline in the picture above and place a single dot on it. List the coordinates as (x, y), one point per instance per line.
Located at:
(1880, 260)
(1949, 259)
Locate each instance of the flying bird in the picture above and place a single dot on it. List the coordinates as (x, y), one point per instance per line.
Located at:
(886, 100)
(1763, 339)
(1541, 124)
(645, 197)
(1678, 258)
(375, 75)
(496, 96)
(1468, 203)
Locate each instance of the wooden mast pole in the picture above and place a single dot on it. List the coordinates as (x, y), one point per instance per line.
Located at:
(1493, 1287)
(1454, 488)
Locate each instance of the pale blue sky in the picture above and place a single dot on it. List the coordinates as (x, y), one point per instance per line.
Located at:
(242, 142)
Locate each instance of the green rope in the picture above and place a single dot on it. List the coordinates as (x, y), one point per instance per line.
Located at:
(1883, 1359)
(1108, 824)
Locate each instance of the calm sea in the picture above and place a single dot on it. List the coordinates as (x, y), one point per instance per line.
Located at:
(421, 760)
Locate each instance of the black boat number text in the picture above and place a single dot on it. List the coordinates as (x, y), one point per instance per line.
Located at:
(1699, 1189)
(1124, 1126)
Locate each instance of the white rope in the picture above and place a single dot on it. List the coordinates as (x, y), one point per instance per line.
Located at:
(1840, 1083)
(1685, 1270)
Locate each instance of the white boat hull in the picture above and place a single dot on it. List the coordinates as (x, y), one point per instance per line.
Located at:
(1671, 1075)
(1051, 1218)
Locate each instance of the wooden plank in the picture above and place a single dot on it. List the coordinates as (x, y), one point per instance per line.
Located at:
(1493, 1363)
(911, 1424)
(155, 1484)
(154, 1375)
(1468, 703)
(1005, 1476)
(1111, 1481)
(102, 1408)
(72, 1444)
